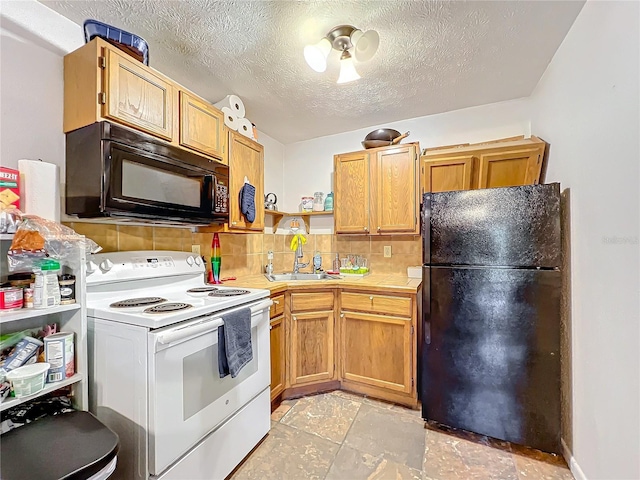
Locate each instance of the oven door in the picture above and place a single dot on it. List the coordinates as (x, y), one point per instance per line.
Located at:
(187, 397)
(140, 183)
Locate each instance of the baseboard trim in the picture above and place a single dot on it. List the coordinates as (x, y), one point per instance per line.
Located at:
(573, 465)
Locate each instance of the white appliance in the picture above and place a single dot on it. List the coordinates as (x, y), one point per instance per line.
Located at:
(153, 358)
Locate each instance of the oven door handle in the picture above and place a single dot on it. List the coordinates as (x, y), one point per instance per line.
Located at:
(205, 325)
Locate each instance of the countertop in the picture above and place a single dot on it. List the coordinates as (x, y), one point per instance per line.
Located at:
(390, 283)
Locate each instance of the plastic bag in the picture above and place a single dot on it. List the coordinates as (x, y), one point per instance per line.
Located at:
(38, 238)
(10, 218)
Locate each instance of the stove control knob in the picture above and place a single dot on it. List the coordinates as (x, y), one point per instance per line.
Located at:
(190, 260)
(91, 267)
(198, 261)
(106, 265)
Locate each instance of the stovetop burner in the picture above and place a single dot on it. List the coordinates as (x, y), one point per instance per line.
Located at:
(167, 308)
(137, 302)
(233, 292)
(202, 289)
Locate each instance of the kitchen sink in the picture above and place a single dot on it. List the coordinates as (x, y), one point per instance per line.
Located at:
(287, 277)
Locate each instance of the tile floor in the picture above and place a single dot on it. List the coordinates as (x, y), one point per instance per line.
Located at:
(342, 436)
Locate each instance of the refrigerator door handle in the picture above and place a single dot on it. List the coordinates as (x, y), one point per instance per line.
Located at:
(426, 304)
(426, 228)
(427, 333)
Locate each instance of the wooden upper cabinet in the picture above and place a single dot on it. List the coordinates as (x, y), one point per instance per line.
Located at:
(351, 193)
(312, 347)
(500, 163)
(509, 168)
(201, 126)
(246, 159)
(376, 191)
(135, 96)
(446, 174)
(395, 196)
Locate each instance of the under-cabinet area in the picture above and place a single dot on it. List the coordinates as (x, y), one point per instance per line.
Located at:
(358, 338)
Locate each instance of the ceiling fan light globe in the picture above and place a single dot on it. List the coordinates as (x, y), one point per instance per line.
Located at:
(367, 46)
(316, 55)
(356, 35)
(348, 71)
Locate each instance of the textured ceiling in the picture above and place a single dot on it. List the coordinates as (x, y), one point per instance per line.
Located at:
(434, 56)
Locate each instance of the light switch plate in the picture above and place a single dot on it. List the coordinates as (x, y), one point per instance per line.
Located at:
(195, 249)
(387, 251)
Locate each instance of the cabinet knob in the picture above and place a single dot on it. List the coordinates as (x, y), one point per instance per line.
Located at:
(366, 229)
(342, 315)
(378, 228)
(270, 327)
(371, 298)
(276, 302)
(234, 223)
(295, 318)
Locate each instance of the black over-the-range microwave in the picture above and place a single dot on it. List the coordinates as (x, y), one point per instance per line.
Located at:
(114, 171)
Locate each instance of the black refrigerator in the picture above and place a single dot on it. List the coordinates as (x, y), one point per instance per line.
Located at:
(490, 346)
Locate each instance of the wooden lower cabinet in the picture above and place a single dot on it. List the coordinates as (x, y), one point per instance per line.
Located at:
(278, 358)
(377, 350)
(277, 328)
(367, 346)
(312, 347)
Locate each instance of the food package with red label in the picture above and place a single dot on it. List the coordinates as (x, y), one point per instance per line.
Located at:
(9, 187)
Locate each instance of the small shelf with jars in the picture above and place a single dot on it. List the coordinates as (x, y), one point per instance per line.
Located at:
(311, 206)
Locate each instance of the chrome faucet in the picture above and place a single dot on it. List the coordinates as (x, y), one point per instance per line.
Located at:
(298, 265)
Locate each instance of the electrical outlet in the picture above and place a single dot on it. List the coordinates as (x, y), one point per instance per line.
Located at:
(195, 249)
(387, 251)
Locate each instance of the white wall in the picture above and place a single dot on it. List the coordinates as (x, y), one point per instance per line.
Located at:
(308, 165)
(587, 107)
(33, 40)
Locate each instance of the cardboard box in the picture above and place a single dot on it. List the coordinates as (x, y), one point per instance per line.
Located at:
(9, 188)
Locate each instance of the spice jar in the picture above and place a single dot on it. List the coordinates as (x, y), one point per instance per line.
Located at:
(318, 202)
(67, 284)
(307, 204)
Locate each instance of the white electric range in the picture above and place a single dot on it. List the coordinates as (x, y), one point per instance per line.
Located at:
(153, 354)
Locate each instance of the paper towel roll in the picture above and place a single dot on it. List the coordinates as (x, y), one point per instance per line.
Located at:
(234, 103)
(245, 127)
(40, 188)
(230, 119)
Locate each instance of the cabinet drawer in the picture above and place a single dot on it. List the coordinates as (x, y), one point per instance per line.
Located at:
(311, 302)
(384, 304)
(278, 306)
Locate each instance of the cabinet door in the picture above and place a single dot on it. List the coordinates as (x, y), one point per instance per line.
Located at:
(312, 345)
(246, 159)
(278, 361)
(137, 97)
(510, 168)
(376, 350)
(351, 193)
(200, 126)
(446, 174)
(395, 194)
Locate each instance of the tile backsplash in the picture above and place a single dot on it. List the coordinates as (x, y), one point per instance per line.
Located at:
(246, 254)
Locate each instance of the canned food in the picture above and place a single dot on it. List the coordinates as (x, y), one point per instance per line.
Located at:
(67, 289)
(28, 297)
(10, 298)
